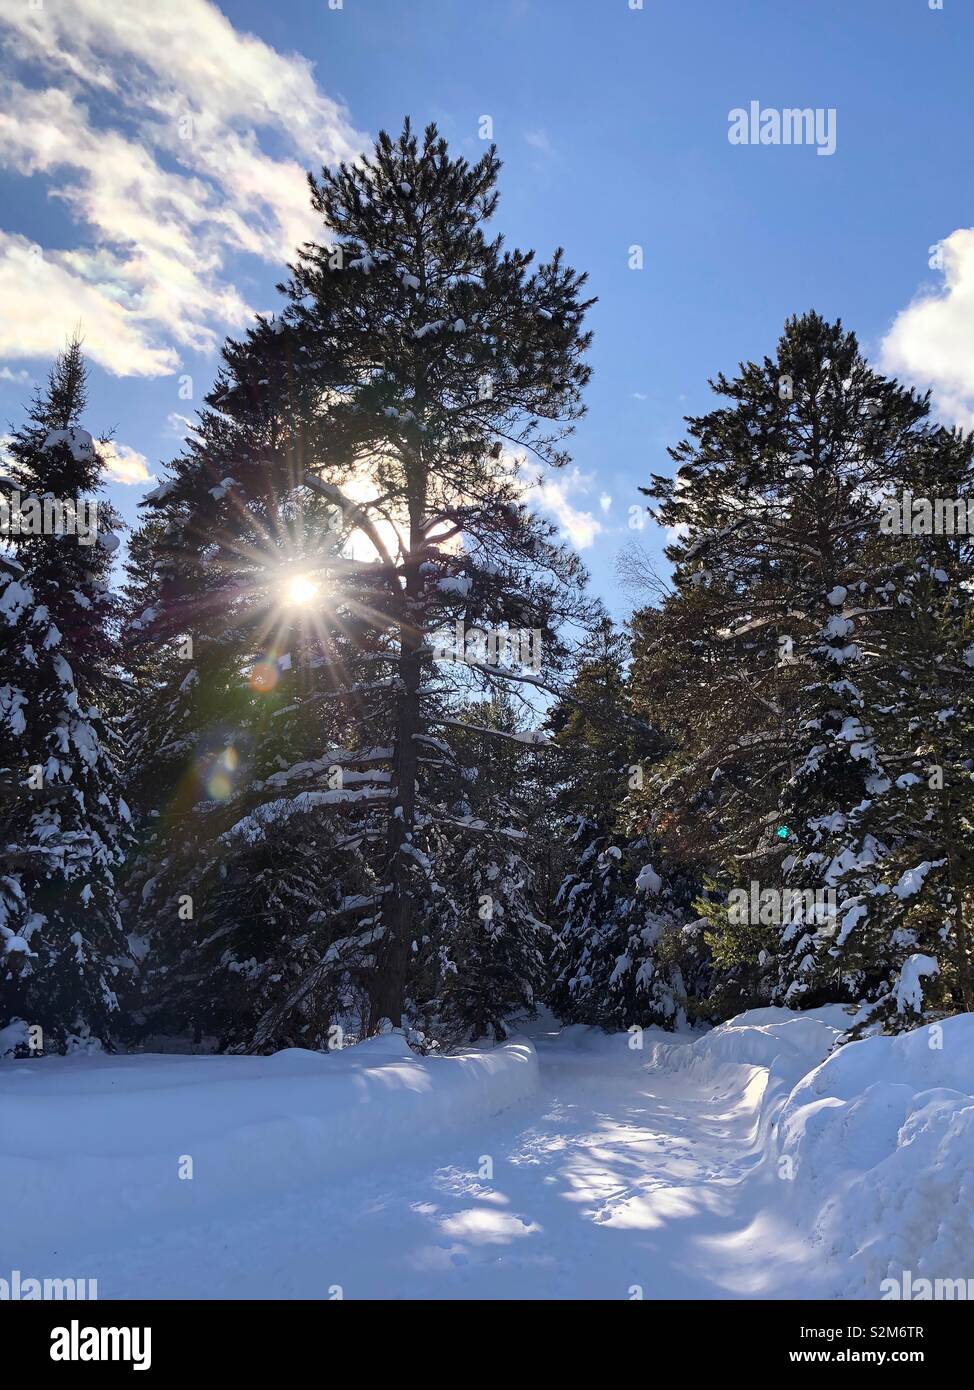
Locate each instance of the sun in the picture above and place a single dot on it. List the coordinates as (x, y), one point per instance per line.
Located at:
(300, 591)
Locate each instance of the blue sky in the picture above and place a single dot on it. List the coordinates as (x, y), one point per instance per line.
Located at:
(150, 181)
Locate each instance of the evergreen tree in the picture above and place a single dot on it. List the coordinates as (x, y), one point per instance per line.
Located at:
(624, 956)
(494, 954)
(440, 346)
(64, 823)
(760, 665)
(410, 351)
(904, 936)
(239, 886)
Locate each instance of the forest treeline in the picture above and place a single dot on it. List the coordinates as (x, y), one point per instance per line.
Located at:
(251, 797)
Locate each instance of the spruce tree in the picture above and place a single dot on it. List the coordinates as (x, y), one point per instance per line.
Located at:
(904, 936)
(237, 742)
(493, 954)
(64, 822)
(760, 665)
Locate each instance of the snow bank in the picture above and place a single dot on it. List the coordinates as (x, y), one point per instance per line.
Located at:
(866, 1148)
(791, 1042)
(99, 1141)
(881, 1140)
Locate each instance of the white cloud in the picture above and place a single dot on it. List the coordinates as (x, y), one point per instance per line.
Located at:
(605, 502)
(930, 342)
(151, 129)
(21, 378)
(123, 464)
(538, 140)
(44, 298)
(548, 491)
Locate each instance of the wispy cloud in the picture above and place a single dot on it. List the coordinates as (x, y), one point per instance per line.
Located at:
(178, 426)
(153, 124)
(930, 341)
(538, 140)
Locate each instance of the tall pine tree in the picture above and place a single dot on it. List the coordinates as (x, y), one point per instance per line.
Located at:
(411, 353)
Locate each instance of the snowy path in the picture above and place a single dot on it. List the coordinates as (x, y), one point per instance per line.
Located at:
(611, 1175)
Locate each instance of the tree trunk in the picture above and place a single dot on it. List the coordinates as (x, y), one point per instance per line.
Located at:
(390, 977)
(388, 994)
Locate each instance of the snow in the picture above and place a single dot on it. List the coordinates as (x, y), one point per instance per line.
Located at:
(909, 987)
(222, 488)
(883, 1138)
(14, 599)
(253, 1126)
(911, 880)
(160, 493)
(13, 702)
(455, 584)
(14, 1035)
(649, 880)
(758, 1159)
(79, 442)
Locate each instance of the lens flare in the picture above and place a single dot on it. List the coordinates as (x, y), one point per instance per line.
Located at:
(300, 591)
(263, 676)
(220, 775)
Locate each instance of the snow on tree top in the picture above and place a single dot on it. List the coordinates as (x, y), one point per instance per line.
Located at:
(79, 441)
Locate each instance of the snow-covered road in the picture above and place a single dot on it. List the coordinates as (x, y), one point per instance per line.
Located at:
(607, 1180)
(617, 1174)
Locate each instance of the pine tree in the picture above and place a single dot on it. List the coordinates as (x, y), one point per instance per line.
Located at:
(759, 666)
(410, 351)
(64, 822)
(441, 346)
